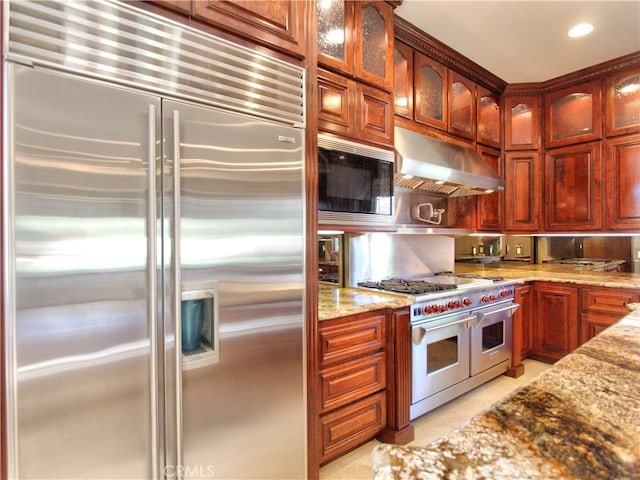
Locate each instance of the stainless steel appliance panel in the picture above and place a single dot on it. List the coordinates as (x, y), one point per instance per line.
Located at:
(439, 354)
(491, 336)
(241, 225)
(78, 311)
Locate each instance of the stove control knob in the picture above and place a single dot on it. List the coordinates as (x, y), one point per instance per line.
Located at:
(484, 299)
(442, 308)
(505, 293)
(466, 301)
(452, 304)
(492, 297)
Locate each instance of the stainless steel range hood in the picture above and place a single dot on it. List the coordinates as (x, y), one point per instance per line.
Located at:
(433, 166)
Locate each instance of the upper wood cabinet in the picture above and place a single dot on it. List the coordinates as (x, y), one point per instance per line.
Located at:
(522, 122)
(356, 38)
(430, 90)
(573, 188)
(183, 6)
(489, 130)
(352, 109)
(622, 103)
(462, 106)
(278, 24)
(489, 215)
(403, 80)
(573, 114)
(522, 192)
(622, 183)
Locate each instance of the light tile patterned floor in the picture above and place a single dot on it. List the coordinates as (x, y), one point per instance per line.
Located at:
(356, 465)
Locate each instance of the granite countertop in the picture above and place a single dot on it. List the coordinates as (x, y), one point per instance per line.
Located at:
(336, 302)
(579, 419)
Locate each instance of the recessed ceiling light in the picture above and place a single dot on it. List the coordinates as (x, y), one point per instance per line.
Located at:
(580, 30)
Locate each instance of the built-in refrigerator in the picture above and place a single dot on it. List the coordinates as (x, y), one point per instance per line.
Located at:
(133, 218)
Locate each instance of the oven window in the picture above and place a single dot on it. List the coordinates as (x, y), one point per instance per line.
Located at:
(492, 336)
(442, 354)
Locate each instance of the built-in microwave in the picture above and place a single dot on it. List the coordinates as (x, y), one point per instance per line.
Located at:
(355, 183)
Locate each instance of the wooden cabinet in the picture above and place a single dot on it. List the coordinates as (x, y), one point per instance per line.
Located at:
(522, 192)
(522, 122)
(622, 183)
(573, 114)
(556, 321)
(276, 24)
(602, 307)
(522, 328)
(462, 106)
(403, 80)
(183, 6)
(489, 129)
(489, 206)
(352, 109)
(573, 188)
(352, 380)
(622, 103)
(356, 39)
(430, 90)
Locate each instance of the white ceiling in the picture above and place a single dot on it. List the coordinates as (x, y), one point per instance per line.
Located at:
(526, 41)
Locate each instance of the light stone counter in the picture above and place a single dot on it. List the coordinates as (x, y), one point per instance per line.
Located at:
(579, 419)
(336, 302)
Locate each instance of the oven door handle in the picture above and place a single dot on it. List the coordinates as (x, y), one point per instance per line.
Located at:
(418, 333)
(482, 315)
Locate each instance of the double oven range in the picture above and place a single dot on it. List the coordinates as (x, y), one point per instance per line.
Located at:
(460, 333)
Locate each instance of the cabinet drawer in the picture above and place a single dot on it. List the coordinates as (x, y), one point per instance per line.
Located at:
(351, 426)
(608, 301)
(350, 339)
(351, 381)
(592, 324)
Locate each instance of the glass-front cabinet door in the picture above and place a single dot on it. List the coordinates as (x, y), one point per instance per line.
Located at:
(462, 106)
(522, 122)
(623, 103)
(489, 118)
(334, 34)
(430, 82)
(403, 80)
(572, 115)
(374, 43)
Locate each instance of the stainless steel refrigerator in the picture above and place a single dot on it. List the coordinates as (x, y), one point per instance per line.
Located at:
(120, 204)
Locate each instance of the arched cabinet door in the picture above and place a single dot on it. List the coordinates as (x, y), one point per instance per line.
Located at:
(374, 43)
(462, 106)
(489, 130)
(430, 90)
(622, 103)
(522, 122)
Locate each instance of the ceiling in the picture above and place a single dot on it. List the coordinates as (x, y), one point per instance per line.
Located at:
(526, 41)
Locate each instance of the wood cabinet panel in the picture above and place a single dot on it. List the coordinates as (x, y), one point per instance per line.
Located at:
(523, 321)
(522, 192)
(348, 427)
(278, 24)
(340, 340)
(489, 214)
(522, 122)
(403, 80)
(353, 380)
(622, 183)
(573, 188)
(573, 114)
(374, 115)
(182, 6)
(335, 103)
(592, 324)
(602, 307)
(556, 321)
(622, 103)
(334, 20)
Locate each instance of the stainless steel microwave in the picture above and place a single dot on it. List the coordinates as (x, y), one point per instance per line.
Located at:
(355, 183)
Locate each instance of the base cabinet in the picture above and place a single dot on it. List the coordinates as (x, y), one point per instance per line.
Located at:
(602, 307)
(352, 381)
(556, 321)
(522, 330)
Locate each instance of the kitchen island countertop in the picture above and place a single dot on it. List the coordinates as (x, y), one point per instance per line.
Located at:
(579, 419)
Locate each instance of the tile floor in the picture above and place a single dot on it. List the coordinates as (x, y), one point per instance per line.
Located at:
(356, 465)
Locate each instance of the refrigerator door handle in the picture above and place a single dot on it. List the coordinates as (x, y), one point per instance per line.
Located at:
(177, 291)
(151, 280)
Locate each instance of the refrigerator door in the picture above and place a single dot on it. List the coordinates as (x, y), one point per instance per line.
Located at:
(80, 276)
(241, 226)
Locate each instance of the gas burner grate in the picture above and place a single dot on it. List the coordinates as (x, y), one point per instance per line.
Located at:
(411, 287)
(471, 275)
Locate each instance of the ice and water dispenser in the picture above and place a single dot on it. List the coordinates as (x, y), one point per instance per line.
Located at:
(199, 325)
